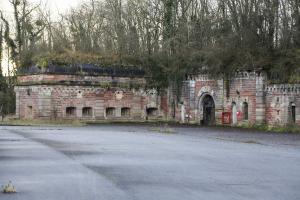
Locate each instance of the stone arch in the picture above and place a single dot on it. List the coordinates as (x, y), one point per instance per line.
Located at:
(206, 108)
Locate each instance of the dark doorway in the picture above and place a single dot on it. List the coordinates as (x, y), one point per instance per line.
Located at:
(245, 111)
(208, 110)
(293, 114)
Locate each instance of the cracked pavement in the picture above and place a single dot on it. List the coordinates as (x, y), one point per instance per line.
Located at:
(137, 162)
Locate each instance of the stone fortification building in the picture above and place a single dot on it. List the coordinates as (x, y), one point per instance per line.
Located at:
(87, 92)
(245, 99)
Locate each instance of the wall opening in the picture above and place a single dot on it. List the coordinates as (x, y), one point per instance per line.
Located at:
(245, 111)
(70, 111)
(152, 112)
(125, 112)
(110, 111)
(28, 91)
(87, 112)
(29, 112)
(292, 113)
(208, 110)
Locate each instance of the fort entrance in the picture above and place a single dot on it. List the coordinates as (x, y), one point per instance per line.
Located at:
(208, 110)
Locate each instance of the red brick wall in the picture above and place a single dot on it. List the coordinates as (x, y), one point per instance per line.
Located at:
(50, 101)
(243, 90)
(278, 104)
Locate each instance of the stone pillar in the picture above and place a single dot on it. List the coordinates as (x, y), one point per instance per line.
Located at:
(260, 107)
(234, 114)
(219, 98)
(17, 91)
(79, 111)
(43, 98)
(99, 109)
(182, 113)
(118, 112)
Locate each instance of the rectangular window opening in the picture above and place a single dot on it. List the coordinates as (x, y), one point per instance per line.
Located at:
(125, 112)
(87, 112)
(152, 112)
(70, 111)
(110, 111)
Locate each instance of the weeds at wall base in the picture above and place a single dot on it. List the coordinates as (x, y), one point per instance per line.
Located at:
(277, 129)
(18, 122)
(160, 123)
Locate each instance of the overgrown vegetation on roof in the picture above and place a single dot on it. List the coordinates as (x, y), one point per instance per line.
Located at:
(69, 58)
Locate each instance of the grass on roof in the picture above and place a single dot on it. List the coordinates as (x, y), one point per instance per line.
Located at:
(70, 57)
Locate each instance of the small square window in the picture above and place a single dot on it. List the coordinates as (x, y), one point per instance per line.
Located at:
(87, 112)
(110, 111)
(151, 112)
(125, 112)
(71, 111)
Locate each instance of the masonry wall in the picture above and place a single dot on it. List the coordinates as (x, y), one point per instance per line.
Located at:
(279, 102)
(246, 88)
(87, 98)
(124, 98)
(243, 91)
(205, 85)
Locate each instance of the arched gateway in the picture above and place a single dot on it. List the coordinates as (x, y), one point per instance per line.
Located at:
(208, 106)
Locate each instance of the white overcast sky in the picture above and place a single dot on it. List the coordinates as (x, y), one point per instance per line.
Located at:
(56, 7)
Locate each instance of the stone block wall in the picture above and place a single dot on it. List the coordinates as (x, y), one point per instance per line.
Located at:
(245, 92)
(195, 90)
(86, 98)
(207, 86)
(246, 98)
(281, 100)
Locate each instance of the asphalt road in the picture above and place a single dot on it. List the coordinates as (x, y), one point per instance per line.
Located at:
(141, 163)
